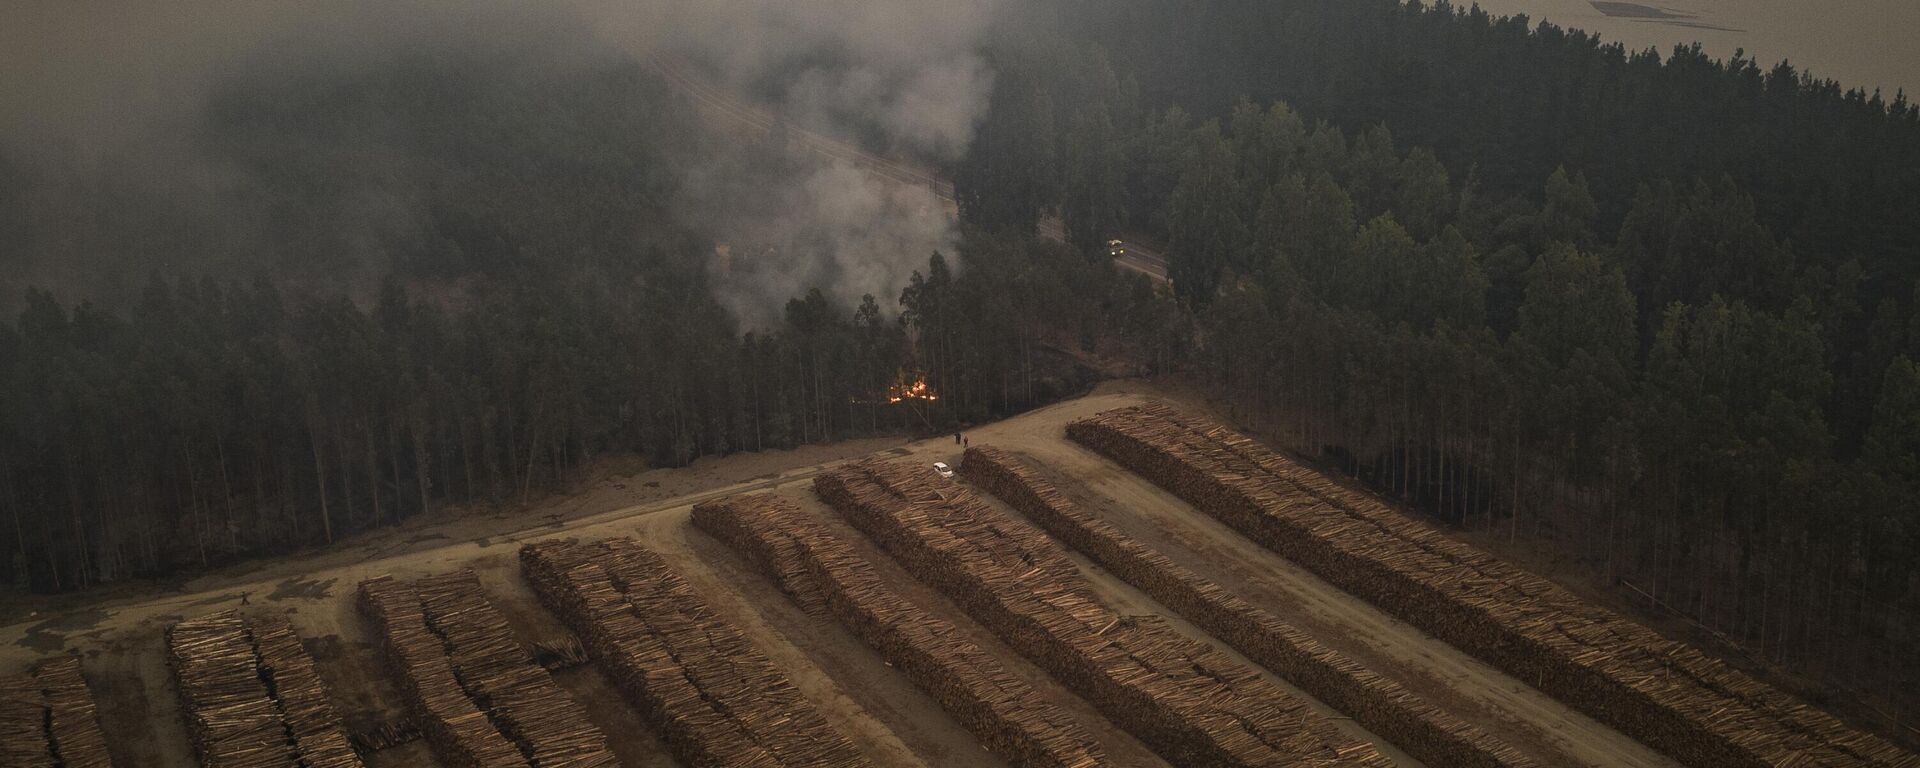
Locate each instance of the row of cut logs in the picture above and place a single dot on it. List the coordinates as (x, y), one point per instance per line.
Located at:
(810, 563)
(474, 690)
(717, 700)
(1666, 694)
(252, 696)
(1184, 699)
(519, 695)
(1385, 707)
(47, 719)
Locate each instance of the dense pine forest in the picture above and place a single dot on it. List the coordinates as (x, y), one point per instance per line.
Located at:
(1646, 312)
(214, 420)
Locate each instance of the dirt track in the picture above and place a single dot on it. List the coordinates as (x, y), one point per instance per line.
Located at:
(120, 631)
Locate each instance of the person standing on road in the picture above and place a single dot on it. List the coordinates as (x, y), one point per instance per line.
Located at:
(956, 438)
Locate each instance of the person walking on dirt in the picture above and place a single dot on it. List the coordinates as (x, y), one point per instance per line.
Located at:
(956, 438)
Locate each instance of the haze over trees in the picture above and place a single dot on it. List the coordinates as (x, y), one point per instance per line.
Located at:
(1657, 314)
(1653, 311)
(550, 309)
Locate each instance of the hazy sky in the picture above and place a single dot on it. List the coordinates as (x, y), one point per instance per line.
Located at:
(1864, 43)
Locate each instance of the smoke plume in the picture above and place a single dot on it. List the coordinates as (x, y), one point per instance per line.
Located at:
(908, 75)
(106, 172)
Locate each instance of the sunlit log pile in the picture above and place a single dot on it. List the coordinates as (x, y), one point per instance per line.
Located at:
(1186, 700)
(252, 696)
(460, 733)
(717, 700)
(47, 719)
(806, 559)
(518, 695)
(1382, 705)
(1666, 694)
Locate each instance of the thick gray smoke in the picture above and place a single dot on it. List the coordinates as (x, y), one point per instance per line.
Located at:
(102, 102)
(104, 176)
(829, 225)
(906, 72)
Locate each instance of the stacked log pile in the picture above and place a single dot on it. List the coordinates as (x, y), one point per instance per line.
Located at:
(24, 740)
(1666, 694)
(1184, 699)
(806, 559)
(233, 717)
(314, 726)
(47, 718)
(782, 554)
(1426, 732)
(717, 700)
(384, 736)
(460, 733)
(519, 695)
(244, 710)
(559, 654)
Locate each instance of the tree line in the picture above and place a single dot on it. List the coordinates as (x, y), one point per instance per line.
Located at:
(214, 420)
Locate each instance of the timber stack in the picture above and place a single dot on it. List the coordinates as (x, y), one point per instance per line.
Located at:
(229, 710)
(810, 562)
(461, 734)
(1666, 694)
(313, 724)
(384, 736)
(559, 654)
(48, 720)
(520, 696)
(717, 700)
(1184, 699)
(1385, 707)
(252, 696)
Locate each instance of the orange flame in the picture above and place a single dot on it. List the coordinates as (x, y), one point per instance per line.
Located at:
(916, 390)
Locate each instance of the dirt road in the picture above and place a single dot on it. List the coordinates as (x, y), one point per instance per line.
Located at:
(119, 631)
(894, 722)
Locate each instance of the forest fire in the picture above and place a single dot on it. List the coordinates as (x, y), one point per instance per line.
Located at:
(915, 390)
